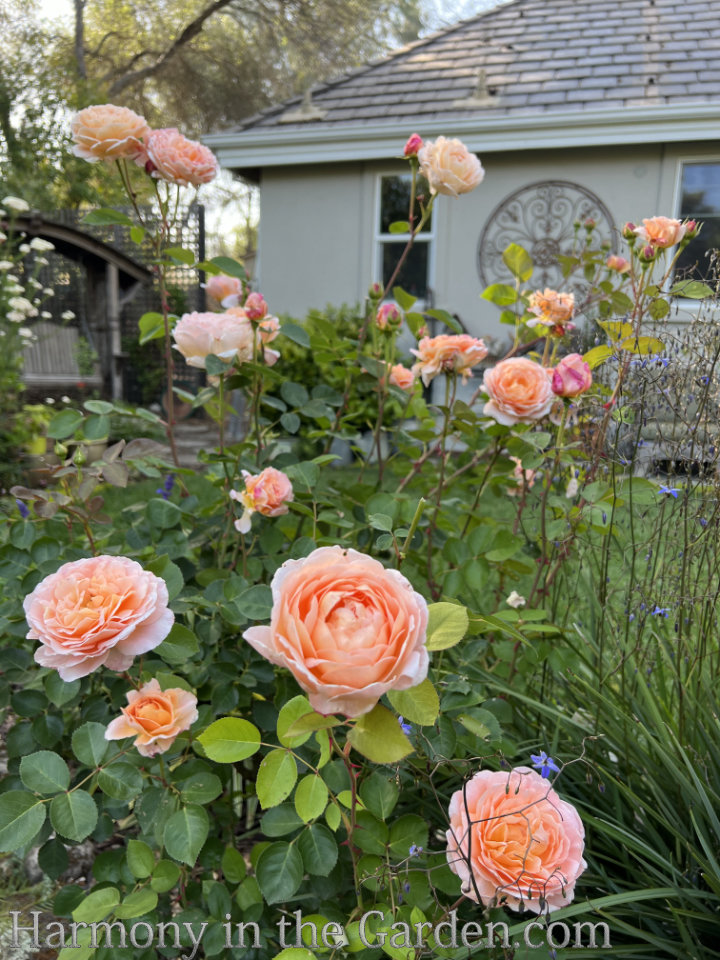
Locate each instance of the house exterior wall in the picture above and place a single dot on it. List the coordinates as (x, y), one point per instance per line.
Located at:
(318, 223)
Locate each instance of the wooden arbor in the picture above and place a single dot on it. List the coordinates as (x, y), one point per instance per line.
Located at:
(113, 279)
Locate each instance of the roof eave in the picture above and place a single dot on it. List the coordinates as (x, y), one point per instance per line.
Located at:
(318, 143)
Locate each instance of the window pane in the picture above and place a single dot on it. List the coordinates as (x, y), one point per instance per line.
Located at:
(694, 261)
(413, 275)
(395, 199)
(700, 190)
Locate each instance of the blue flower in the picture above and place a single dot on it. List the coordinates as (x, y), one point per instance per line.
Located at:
(166, 489)
(405, 727)
(673, 491)
(415, 851)
(542, 762)
(24, 512)
(660, 611)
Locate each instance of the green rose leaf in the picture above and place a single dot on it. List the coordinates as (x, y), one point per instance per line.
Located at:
(379, 795)
(319, 849)
(447, 625)
(311, 797)
(289, 713)
(377, 736)
(185, 833)
(137, 904)
(230, 739)
(140, 858)
(96, 905)
(500, 293)
(21, 816)
(165, 876)
(121, 781)
(200, 788)
(44, 772)
(74, 815)
(279, 872)
(518, 261)
(179, 645)
(89, 744)
(419, 704)
(276, 778)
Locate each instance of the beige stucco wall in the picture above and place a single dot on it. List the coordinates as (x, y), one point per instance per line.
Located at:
(318, 223)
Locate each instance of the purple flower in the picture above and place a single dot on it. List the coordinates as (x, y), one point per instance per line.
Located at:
(166, 489)
(415, 851)
(405, 727)
(542, 762)
(24, 512)
(673, 491)
(660, 611)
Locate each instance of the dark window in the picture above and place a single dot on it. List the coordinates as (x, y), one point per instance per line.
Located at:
(700, 200)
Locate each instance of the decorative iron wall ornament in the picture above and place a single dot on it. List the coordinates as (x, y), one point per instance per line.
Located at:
(540, 217)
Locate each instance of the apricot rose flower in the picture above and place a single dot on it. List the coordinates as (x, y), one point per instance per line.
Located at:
(154, 717)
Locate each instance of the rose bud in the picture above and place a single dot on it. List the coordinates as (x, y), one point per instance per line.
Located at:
(572, 376)
(413, 145)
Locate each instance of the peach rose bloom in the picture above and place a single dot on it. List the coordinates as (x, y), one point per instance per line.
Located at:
(154, 717)
(448, 353)
(101, 611)
(226, 335)
(347, 629)
(107, 132)
(661, 231)
(520, 844)
(401, 377)
(520, 391)
(572, 376)
(449, 167)
(552, 309)
(221, 286)
(267, 329)
(268, 493)
(178, 160)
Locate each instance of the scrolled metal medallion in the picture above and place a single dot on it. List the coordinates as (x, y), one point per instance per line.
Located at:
(540, 217)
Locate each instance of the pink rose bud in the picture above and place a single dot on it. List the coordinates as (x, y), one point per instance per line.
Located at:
(255, 306)
(572, 376)
(648, 252)
(617, 263)
(413, 145)
(589, 223)
(628, 231)
(375, 292)
(692, 228)
(388, 317)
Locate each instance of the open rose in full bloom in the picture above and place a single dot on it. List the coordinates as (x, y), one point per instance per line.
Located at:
(521, 845)
(552, 309)
(226, 335)
(661, 232)
(520, 391)
(107, 132)
(448, 353)
(267, 492)
(449, 167)
(572, 376)
(347, 629)
(174, 158)
(154, 717)
(102, 611)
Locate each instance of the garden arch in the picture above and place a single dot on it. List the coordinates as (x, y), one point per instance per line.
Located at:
(113, 279)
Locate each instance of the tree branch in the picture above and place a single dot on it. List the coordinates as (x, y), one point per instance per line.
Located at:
(190, 31)
(80, 38)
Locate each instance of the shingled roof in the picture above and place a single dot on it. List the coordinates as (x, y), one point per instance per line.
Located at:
(539, 58)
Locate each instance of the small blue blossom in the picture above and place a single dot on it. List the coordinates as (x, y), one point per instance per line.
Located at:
(405, 727)
(631, 617)
(166, 489)
(24, 512)
(415, 851)
(673, 491)
(702, 521)
(542, 762)
(660, 612)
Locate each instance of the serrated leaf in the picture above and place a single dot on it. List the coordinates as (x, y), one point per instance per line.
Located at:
(377, 736)
(311, 797)
(518, 261)
(598, 355)
(420, 704)
(89, 744)
(296, 333)
(106, 216)
(229, 266)
(137, 904)
(230, 739)
(44, 772)
(692, 289)
(21, 816)
(318, 848)
(140, 859)
(74, 815)
(185, 833)
(279, 872)
(276, 778)
(500, 293)
(447, 625)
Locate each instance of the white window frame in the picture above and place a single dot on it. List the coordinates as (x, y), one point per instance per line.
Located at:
(380, 239)
(685, 303)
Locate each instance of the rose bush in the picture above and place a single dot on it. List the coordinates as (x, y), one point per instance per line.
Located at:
(333, 709)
